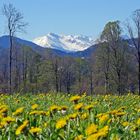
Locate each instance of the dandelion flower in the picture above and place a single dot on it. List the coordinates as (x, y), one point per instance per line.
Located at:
(8, 119)
(91, 129)
(35, 130)
(88, 107)
(84, 116)
(35, 106)
(103, 118)
(79, 137)
(18, 111)
(61, 123)
(22, 127)
(75, 98)
(78, 106)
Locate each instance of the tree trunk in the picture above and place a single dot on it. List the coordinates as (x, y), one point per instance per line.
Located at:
(139, 71)
(10, 64)
(56, 77)
(91, 83)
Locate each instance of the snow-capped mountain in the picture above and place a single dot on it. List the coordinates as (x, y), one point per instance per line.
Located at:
(66, 43)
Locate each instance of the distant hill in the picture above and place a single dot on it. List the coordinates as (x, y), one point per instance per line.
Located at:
(4, 45)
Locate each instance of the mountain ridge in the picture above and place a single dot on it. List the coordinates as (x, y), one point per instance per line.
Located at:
(66, 43)
(4, 45)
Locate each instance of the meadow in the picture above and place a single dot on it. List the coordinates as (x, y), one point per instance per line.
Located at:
(69, 117)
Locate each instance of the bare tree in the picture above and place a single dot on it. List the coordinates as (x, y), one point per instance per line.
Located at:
(134, 33)
(15, 24)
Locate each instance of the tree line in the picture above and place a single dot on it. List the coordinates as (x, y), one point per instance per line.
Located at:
(113, 68)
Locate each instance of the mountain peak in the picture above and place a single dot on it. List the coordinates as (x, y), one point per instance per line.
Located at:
(66, 43)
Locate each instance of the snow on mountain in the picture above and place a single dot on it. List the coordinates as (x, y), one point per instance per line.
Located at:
(66, 43)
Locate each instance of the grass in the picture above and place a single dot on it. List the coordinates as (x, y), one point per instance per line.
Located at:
(67, 117)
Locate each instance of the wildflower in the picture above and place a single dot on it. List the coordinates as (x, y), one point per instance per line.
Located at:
(100, 133)
(35, 106)
(54, 108)
(73, 116)
(84, 116)
(47, 113)
(63, 108)
(99, 115)
(75, 98)
(88, 107)
(45, 124)
(113, 112)
(60, 123)
(125, 124)
(79, 137)
(91, 129)
(36, 112)
(119, 114)
(18, 111)
(93, 137)
(104, 130)
(3, 124)
(103, 118)
(22, 127)
(138, 122)
(78, 106)
(35, 130)
(3, 106)
(8, 119)
(3, 110)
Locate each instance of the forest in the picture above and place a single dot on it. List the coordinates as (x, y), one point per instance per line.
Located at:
(113, 67)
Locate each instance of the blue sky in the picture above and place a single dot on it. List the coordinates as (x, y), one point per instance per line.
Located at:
(86, 17)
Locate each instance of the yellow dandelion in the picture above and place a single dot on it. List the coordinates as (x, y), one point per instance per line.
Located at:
(84, 116)
(99, 134)
(3, 124)
(73, 116)
(3, 106)
(91, 129)
(18, 111)
(93, 137)
(47, 113)
(75, 98)
(104, 130)
(22, 127)
(3, 110)
(125, 124)
(78, 106)
(63, 108)
(138, 122)
(60, 123)
(79, 137)
(113, 112)
(36, 112)
(9, 119)
(45, 124)
(99, 115)
(54, 108)
(35, 106)
(88, 107)
(35, 130)
(103, 118)
(119, 114)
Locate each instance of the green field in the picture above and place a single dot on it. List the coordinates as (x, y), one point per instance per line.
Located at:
(68, 117)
